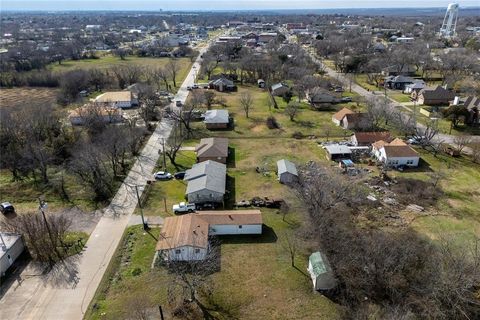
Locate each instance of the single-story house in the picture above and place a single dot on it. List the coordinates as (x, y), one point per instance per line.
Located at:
(472, 104)
(319, 96)
(222, 84)
(356, 121)
(433, 96)
(215, 149)
(338, 152)
(95, 113)
(321, 272)
(367, 138)
(396, 153)
(185, 237)
(338, 117)
(11, 248)
(216, 119)
(417, 85)
(397, 82)
(117, 99)
(232, 221)
(206, 182)
(266, 37)
(286, 171)
(279, 89)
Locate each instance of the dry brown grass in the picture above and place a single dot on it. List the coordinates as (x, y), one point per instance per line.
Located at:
(15, 97)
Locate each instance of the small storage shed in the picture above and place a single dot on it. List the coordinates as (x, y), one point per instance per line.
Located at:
(287, 172)
(320, 272)
(338, 152)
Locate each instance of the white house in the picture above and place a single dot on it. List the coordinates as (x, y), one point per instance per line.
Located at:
(233, 221)
(11, 247)
(185, 238)
(91, 113)
(416, 86)
(320, 272)
(118, 99)
(396, 153)
(286, 171)
(337, 118)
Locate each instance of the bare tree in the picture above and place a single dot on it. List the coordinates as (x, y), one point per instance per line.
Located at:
(42, 240)
(246, 102)
(462, 141)
(210, 98)
(173, 145)
(475, 147)
(173, 68)
(290, 244)
(292, 110)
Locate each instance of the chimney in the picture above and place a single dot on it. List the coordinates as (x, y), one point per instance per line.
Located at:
(456, 100)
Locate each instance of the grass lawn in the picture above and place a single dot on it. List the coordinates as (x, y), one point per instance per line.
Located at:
(256, 280)
(399, 96)
(308, 122)
(24, 194)
(457, 212)
(361, 80)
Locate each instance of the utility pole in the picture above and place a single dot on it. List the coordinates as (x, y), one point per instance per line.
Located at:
(161, 312)
(164, 154)
(43, 205)
(145, 226)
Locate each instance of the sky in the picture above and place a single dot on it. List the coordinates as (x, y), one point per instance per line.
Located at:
(207, 5)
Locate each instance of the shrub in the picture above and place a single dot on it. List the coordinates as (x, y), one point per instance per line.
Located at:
(272, 123)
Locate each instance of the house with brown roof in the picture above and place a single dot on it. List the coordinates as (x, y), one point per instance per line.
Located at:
(356, 121)
(472, 104)
(395, 153)
(215, 149)
(92, 113)
(117, 99)
(338, 117)
(367, 138)
(433, 96)
(185, 238)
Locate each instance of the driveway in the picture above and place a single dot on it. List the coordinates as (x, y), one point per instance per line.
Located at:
(69, 289)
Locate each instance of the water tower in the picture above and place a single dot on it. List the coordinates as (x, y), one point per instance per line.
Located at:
(450, 21)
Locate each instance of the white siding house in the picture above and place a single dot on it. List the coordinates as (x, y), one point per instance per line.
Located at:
(233, 222)
(11, 247)
(396, 153)
(118, 99)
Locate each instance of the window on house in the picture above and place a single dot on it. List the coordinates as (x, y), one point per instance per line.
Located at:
(197, 250)
(178, 251)
(240, 227)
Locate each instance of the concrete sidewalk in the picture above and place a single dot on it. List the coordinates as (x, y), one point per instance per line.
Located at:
(68, 291)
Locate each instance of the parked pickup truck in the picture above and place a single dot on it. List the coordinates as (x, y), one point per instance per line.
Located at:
(183, 207)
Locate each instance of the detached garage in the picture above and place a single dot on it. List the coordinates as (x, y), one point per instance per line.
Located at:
(287, 172)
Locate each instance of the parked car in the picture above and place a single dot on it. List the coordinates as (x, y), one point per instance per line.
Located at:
(243, 204)
(178, 103)
(258, 202)
(346, 99)
(195, 86)
(7, 208)
(339, 89)
(162, 175)
(179, 175)
(189, 88)
(183, 207)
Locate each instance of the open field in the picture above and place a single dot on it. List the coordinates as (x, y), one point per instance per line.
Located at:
(14, 97)
(308, 122)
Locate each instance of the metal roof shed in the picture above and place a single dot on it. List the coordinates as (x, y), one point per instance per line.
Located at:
(287, 172)
(321, 272)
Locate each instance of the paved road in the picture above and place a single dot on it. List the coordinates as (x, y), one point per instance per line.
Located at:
(66, 292)
(393, 105)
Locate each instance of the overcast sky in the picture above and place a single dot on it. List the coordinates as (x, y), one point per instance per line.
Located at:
(218, 4)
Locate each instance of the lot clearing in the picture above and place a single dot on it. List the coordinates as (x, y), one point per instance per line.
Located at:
(17, 97)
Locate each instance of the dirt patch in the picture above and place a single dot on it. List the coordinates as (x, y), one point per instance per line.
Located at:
(15, 97)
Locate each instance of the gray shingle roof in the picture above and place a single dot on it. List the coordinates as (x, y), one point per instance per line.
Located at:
(216, 116)
(209, 175)
(286, 166)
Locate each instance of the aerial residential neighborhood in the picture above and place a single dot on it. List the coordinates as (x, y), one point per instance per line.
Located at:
(239, 160)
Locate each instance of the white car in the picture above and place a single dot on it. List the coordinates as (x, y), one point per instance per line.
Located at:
(162, 175)
(183, 207)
